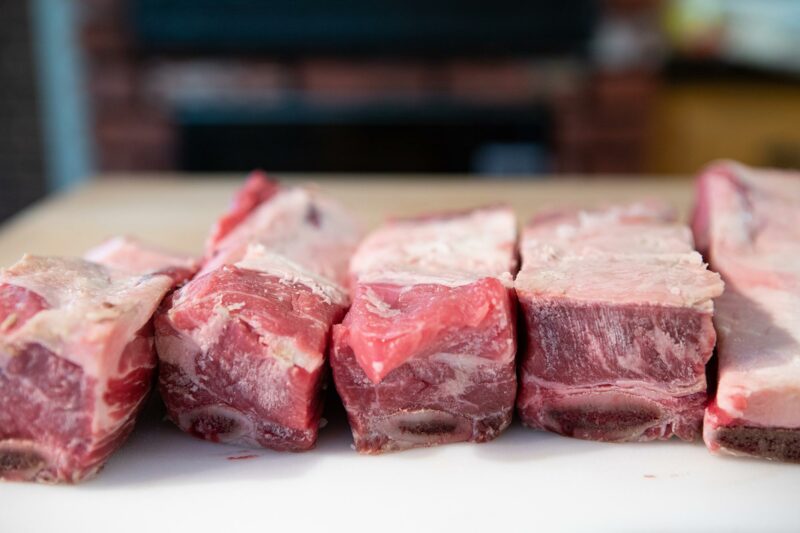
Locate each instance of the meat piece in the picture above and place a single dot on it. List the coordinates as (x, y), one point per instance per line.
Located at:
(76, 359)
(133, 256)
(425, 355)
(747, 222)
(302, 226)
(242, 345)
(618, 315)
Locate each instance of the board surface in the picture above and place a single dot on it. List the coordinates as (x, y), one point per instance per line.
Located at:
(525, 480)
(176, 211)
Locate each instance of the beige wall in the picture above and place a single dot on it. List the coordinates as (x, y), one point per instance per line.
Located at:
(756, 123)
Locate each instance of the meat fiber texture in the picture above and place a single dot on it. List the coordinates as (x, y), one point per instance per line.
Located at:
(425, 355)
(243, 345)
(747, 221)
(77, 356)
(618, 309)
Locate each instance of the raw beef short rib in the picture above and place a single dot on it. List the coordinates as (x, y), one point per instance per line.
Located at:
(136, 257)
(242, 345)
(747, 222)
(425, 355)
(617, 308)
(76, 357)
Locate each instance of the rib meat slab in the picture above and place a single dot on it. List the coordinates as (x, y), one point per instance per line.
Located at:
(242, 345)
(76, 357)
(747, 222)
(425, 355)
(618, 315)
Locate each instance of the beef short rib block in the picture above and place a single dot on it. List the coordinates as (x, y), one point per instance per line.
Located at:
(135, 257)
(76, 359)
(242, 345)
(618, 314)
(242, 351)
(425, 355)
(304, 227)
(747, 222)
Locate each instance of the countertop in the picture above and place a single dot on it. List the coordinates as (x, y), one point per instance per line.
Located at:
(176, 211)
(524, 480)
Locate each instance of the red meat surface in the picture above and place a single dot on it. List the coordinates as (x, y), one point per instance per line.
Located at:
(243, 345)
(425, 355)
(747, 222)
(617, 309)
(76, 358)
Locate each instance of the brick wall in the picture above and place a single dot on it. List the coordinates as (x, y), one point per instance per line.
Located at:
(132, 131)
(599, 117)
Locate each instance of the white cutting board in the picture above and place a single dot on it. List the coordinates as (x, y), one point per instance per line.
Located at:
(164, 480)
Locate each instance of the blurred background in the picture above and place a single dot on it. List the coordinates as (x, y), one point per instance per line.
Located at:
(507, 87)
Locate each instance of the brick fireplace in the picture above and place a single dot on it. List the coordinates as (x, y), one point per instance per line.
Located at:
(163, 105)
